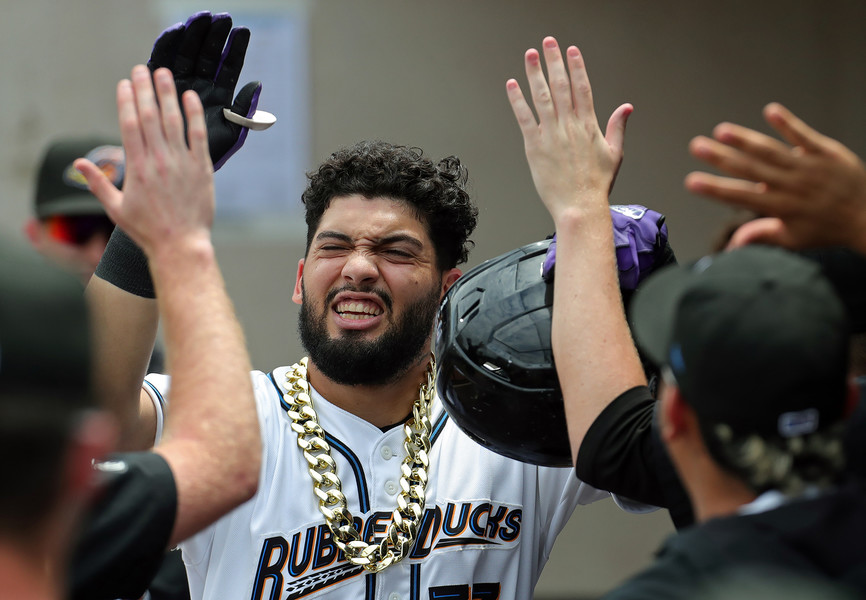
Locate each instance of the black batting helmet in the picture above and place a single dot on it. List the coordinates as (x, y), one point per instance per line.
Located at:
(495, 370)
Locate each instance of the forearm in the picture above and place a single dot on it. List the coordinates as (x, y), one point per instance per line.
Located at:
(124, 330)
(211, 440)
(212, 428)
(595, 356)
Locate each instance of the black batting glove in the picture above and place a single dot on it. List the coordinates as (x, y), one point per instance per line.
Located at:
(206, 55)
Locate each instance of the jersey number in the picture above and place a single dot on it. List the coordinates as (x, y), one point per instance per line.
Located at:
(479, 591)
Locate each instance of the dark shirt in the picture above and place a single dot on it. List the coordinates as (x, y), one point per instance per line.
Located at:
(126, 534)
(622, 453)
(855, 435)
(819, 542)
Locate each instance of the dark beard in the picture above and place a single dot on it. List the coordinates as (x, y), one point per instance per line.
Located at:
(352, 360)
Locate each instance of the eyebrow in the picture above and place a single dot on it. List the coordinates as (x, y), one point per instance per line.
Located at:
(332, 235)
(391, 239)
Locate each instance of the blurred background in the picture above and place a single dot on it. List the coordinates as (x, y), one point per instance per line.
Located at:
(432, 74)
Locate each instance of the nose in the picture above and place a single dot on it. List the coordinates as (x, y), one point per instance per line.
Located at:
(360, 268)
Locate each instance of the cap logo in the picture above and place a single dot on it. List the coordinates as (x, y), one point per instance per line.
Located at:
(797, 423)
(633, 211)
(109, 159)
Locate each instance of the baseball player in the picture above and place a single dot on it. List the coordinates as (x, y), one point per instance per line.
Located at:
(367, 489)
(573, 165)
(200, 471)
(615, 442)
(69, 226)
(381, 494)
(50, 425)
(809, 191)
(208, 461)
(51, 428)
(753, 346)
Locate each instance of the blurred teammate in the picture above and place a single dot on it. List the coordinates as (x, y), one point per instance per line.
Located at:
(69, 225)
(754, 346)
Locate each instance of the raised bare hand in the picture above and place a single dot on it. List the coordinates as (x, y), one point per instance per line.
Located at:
(168, 196)
(573, 164)
(809, 190)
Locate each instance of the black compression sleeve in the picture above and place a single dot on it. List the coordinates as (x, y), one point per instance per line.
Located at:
(125, 265)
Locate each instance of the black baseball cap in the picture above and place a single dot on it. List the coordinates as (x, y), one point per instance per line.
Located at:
(756, 338)
(45, 346)
(846, 270)
(61, 188)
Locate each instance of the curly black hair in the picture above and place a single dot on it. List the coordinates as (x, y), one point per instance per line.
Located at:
(436, 192)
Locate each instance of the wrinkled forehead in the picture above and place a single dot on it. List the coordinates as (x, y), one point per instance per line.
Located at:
(373, 219)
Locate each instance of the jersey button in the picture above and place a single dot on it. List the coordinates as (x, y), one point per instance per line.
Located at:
(391, 488)
(393, 596)
(386, 452)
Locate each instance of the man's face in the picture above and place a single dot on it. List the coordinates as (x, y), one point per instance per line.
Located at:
(369, 290)
(73, 242)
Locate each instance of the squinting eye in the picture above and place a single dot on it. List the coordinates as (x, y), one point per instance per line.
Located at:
(400, 253)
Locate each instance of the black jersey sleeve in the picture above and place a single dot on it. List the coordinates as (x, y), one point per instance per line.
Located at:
(622, 453)
(126, 533)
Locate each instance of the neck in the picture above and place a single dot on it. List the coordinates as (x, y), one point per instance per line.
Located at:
(381, 405)
(25, 575)
(712, 490)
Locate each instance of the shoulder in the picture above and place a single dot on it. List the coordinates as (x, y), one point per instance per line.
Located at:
(670, 576)
(137, 481)
(127, 530)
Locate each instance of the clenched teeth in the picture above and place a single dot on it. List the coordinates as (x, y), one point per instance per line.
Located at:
(355, 316)
(357, 310)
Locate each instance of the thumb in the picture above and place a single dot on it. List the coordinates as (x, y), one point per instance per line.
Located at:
(766, 230)
(615, 132)
(101, 187)
(247, 99)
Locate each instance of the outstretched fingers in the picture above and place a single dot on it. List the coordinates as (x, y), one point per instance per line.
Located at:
(149, 118)
(739, 160)
(101, 187)
(189, 47)
(232, 59)
(580, 86)
(127, 118)
(171, 117)
(522, 111)
(208, 61)
(793, 129)
(540, 92)
(559, 83)
(760, 147)
(197, 128)
(736, 192)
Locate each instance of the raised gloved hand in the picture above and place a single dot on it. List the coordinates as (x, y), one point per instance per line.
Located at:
(206, 54)
(640, 238)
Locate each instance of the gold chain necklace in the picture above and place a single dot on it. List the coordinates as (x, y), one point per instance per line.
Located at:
(327, 488)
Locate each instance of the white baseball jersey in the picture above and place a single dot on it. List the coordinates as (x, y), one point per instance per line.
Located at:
(487, 530)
